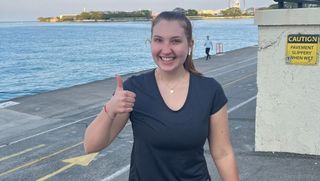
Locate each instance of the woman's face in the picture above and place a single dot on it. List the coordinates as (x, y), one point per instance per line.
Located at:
(169, 45)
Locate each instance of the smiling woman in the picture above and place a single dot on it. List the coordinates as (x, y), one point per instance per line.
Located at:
(173, 110)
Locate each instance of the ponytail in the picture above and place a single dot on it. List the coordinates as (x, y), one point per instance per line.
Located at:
(189, 66)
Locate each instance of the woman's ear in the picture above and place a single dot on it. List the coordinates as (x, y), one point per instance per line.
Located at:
(190, 47)
(191, 43)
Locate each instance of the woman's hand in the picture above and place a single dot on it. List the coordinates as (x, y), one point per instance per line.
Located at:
(122, 101)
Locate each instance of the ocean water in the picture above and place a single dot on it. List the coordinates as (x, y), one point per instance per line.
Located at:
(39, 57)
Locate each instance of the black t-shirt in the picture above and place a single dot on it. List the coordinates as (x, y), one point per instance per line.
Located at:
(168, 145)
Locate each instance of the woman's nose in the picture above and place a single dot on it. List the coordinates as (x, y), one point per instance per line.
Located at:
(166, 48)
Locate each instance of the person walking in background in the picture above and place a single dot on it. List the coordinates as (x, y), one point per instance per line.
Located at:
(173, 109)
(208, 45)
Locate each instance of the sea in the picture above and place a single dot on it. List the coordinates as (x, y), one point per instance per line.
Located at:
(38, 57)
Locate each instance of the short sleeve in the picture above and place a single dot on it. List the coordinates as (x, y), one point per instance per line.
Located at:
(128, 85)
(219, 98)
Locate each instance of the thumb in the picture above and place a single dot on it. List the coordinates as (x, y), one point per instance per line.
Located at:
(119, 83)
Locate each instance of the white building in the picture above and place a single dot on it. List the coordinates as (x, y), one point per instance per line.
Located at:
(234, 3)
(210, 11)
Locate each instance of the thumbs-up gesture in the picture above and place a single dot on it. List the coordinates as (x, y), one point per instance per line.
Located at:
(122, 101)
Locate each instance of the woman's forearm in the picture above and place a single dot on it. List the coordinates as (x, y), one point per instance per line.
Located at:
(97, 135)
(227, 167)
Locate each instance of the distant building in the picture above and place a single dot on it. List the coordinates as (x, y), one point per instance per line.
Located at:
(53, 19)
(234, 4)
(68, 17)
(210, 12)
(154, 14)
(250, 11)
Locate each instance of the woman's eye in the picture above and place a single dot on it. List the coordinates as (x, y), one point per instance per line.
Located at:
(157, 40)
(176, 41)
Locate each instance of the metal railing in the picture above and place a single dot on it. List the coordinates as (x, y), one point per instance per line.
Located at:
(299, 2)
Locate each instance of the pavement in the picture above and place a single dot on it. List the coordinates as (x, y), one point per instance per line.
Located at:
(38, 133)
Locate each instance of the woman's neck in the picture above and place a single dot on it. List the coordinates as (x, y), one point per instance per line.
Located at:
(171, 76)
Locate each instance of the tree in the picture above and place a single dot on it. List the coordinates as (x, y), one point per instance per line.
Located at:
(192, 12)
(97, 15)
(232, 12)
(84, 15)
(44, 19)
(146, 13)
(290, 5)
(180, 10)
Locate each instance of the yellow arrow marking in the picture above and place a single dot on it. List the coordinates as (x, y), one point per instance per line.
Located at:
(21, 152)
(80, 160)
(38, 160)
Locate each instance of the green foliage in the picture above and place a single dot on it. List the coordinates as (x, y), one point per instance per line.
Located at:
(96, 15)
(290, 5)
(84, 15)
(180, 10)
(191, 12)
(207, 15)
(122, 14)
(233, 12)
(99, 15)
(44, 19)
(286, 5)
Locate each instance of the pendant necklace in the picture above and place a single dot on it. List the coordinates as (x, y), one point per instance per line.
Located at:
(171, 89)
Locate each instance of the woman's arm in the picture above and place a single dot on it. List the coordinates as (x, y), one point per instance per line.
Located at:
(101, 132)
(110, 121)
(220, 146)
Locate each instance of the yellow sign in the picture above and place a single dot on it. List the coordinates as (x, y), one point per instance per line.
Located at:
(303, 49)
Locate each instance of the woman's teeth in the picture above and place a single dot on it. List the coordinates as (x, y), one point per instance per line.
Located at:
(167, 58)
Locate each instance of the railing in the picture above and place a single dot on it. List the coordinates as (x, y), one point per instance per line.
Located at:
(299, 2)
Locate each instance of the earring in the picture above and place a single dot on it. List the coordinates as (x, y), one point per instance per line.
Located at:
(189, 52)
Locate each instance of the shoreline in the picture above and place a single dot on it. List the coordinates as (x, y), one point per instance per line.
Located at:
(146, 20)
(107, 21)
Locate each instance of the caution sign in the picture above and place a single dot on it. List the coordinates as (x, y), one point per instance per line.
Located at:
(303, 49)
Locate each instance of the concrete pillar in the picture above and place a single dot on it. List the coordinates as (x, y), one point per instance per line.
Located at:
(288, 100)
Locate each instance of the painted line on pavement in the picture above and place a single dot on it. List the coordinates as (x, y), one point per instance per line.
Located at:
(238, 68)
(127, 167)
(38, 160)
(229, 83)
(21, 152)
(50, 130)
(229, 65)
(116, 174)
(241, 104)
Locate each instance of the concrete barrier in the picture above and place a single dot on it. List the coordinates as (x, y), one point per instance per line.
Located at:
(288, 80)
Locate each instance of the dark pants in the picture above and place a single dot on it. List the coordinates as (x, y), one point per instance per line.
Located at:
(207, 52)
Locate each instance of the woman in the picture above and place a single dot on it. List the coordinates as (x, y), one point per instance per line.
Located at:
(173, 110)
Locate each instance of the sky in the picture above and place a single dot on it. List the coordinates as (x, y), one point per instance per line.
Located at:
(30, 10)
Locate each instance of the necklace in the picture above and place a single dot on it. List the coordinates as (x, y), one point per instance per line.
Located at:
(171, 88)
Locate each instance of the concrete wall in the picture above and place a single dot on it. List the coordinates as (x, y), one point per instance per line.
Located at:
(288, 100)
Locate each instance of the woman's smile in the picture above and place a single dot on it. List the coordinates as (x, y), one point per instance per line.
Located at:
(167, 58)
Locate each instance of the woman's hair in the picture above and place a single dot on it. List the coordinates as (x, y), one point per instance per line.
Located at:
(186, 25)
